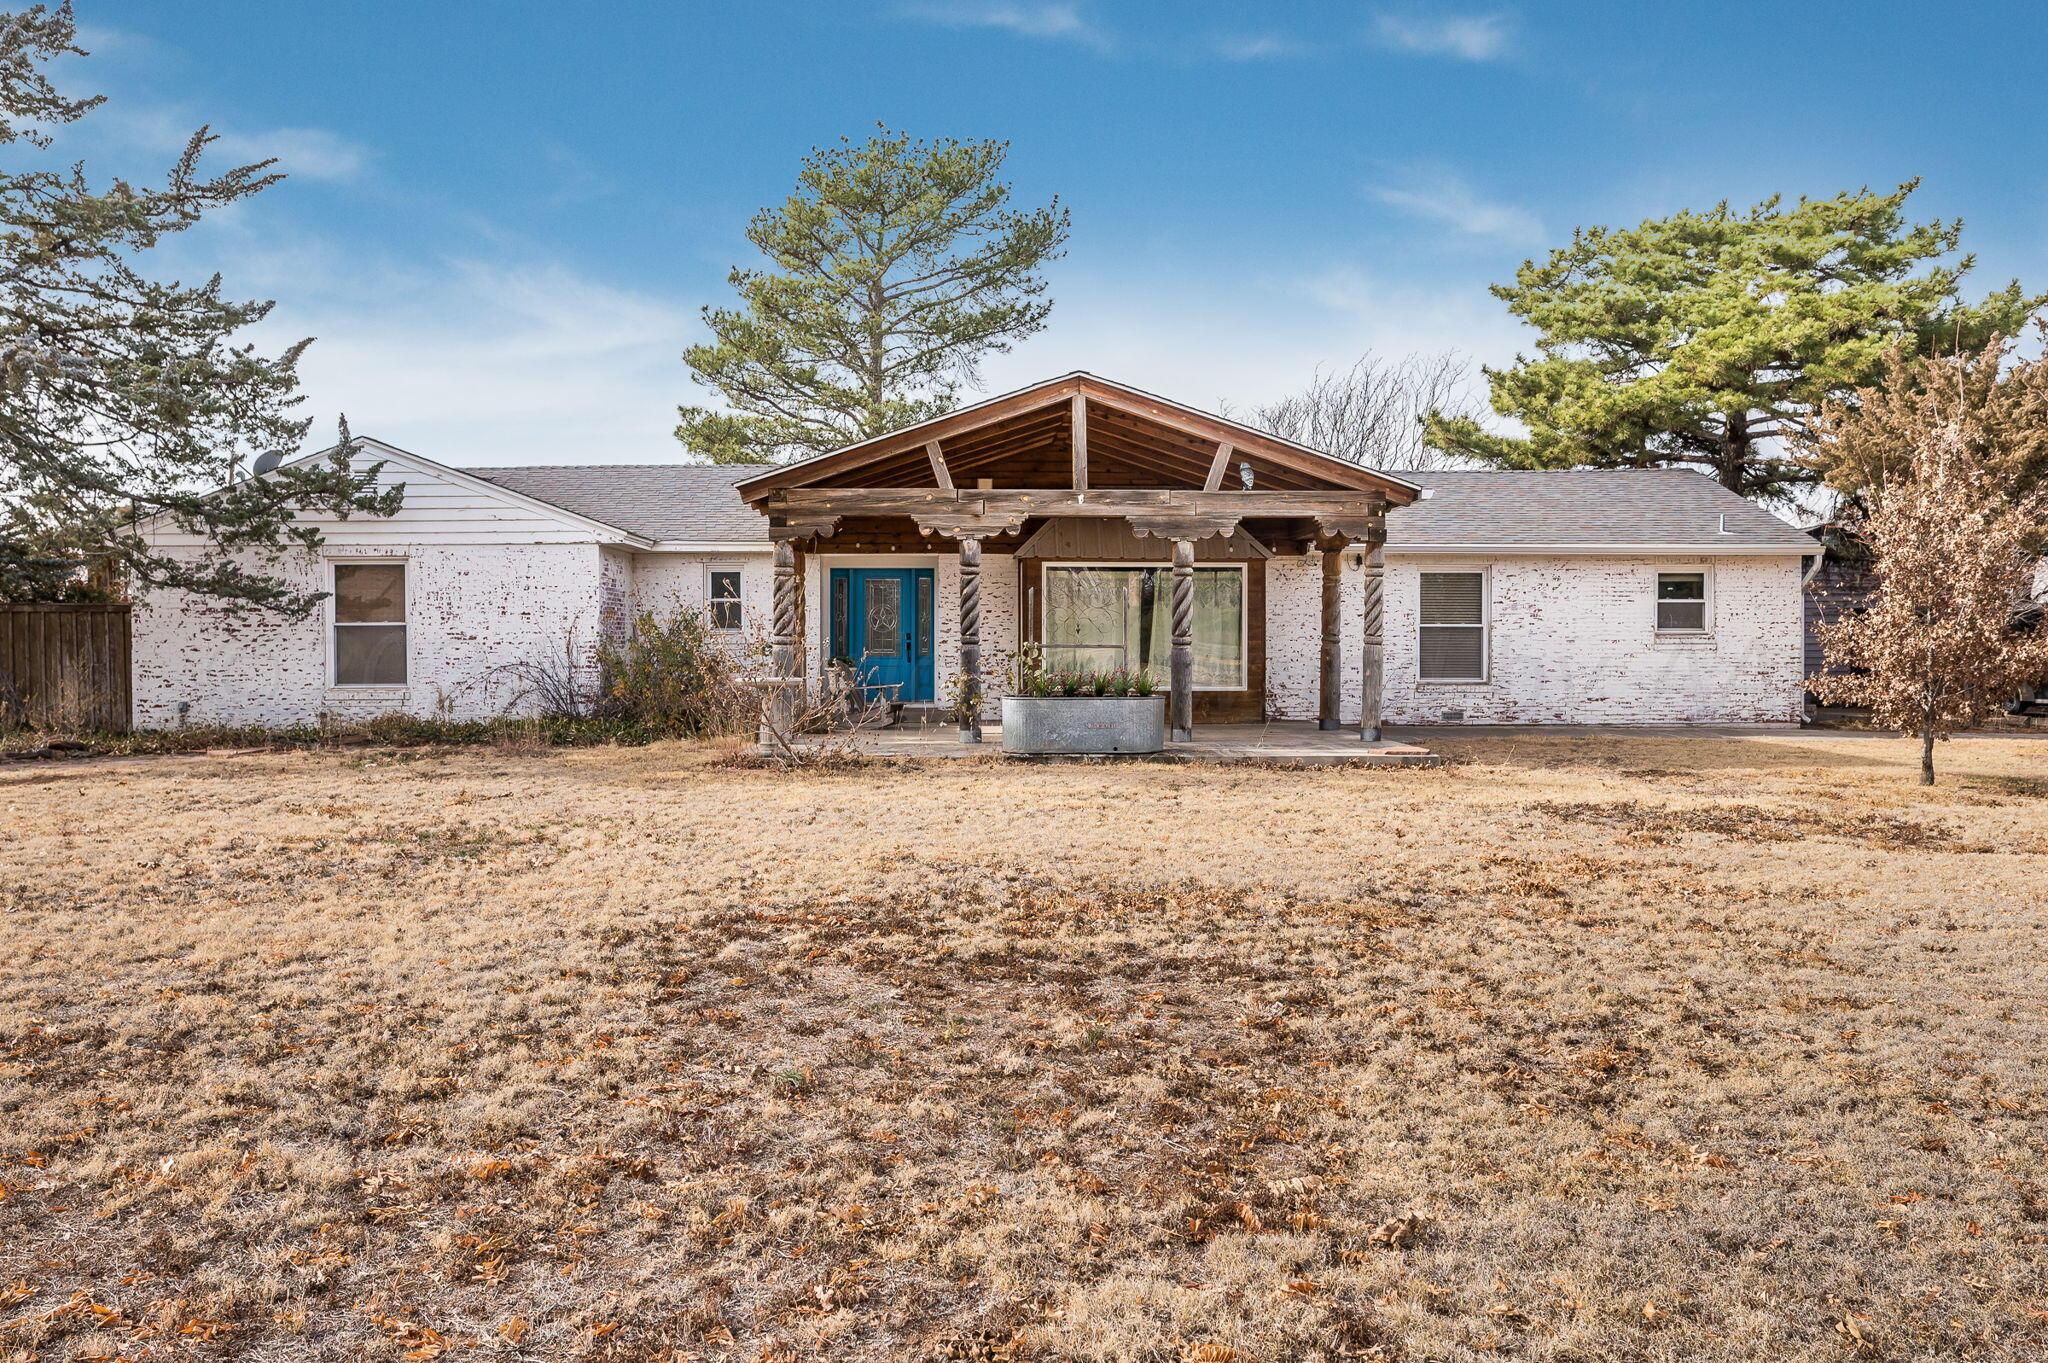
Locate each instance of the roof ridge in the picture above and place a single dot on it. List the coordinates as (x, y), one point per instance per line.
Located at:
(472, 468)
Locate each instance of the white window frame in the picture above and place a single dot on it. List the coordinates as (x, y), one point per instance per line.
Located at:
(366, 561)
(1244, 614)
(711, 571)
(1706, 626)
(1485, 575)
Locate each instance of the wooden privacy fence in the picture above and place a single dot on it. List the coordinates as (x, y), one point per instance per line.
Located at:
(64, 665)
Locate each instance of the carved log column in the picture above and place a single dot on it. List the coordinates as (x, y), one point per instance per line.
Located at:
(1181, 706)
(787, 684)
(1371, 693)
(1330, 696)
(970, 639)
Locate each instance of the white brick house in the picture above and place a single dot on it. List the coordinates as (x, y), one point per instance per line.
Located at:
(1525, 598)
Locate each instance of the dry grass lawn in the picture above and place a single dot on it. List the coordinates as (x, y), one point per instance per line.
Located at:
(1577, 1049)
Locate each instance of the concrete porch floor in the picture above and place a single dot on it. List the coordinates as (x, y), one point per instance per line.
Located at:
(1290, 743)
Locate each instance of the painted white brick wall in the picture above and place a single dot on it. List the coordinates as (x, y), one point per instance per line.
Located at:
(615, 593)
(666, 583)
(472, 609)
(1294, 636)
(1573, 640)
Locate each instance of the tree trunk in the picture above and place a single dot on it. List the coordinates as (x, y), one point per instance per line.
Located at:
(1927, 756)
(1735, 446)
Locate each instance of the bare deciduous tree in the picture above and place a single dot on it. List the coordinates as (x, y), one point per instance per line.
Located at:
(1372, 413)
(1952, 545)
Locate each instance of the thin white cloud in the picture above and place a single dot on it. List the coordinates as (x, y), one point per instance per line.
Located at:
(315, 153)
(1466, 37)
(497, 355)
(1243, 339)
(1444, 199)
(477, 362)
(1255, 47)
(1048, 19)
(311, 153)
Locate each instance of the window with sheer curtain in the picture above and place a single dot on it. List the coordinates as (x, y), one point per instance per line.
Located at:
(1103, 618)
(369, 624)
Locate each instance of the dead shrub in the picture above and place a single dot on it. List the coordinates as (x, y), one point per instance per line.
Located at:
(676, 678)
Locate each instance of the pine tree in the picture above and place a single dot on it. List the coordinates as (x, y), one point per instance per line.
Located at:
(894, 268)
(124, 397)
(1710, 339)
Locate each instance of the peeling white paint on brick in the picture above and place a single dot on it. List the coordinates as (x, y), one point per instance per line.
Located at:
(666, 583)
(615, 600)
(494, 582)
(472, 610)
(1573, 640)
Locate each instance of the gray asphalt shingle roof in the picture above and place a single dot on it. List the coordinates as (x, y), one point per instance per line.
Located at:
(656, 501)
(1584, 506)
(1620, 507)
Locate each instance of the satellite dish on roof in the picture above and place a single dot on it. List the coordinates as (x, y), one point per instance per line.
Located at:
(268, 461)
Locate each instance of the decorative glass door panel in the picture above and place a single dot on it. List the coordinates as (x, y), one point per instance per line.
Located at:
(882, 620)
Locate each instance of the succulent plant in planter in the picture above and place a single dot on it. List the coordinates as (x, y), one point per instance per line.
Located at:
(1080, 710)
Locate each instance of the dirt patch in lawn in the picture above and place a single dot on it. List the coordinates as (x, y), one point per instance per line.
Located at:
(631, 1055)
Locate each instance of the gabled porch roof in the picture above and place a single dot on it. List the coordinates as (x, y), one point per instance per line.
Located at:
(1078, 432)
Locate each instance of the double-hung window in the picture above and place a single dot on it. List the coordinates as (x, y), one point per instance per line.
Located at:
(1451, 632)
(1681, 603)
(722, 592)
(1104, 617)
(369, 646)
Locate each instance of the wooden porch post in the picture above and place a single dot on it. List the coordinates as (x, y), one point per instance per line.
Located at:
(1331, 690)
(1181, 706)
(970, 639)
(1370, 693)
(782, 642)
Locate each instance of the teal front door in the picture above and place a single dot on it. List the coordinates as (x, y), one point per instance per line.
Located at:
(882, 624)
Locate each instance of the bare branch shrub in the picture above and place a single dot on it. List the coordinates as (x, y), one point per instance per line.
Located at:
(557, 684)
(822, 727)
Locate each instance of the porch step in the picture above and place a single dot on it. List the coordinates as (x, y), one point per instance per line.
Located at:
(923, 714)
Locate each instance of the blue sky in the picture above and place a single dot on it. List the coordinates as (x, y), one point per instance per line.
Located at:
(502, 219)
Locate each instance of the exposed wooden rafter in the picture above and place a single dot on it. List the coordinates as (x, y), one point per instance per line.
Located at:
(1216, 467)
(1082, 432)
(1077, 434)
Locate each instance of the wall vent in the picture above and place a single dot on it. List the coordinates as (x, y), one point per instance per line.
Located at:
(1454, 716)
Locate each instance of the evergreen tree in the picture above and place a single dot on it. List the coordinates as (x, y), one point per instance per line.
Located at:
(123, 397)
(1710, 339)
(893, 269)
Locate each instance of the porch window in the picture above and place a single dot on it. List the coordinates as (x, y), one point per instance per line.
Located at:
(724, 598)
(1103, 618)
(369, 624)
(1681, 603)
(1451, 633)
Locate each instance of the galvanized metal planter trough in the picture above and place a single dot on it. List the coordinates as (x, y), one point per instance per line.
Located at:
(1083, 724)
